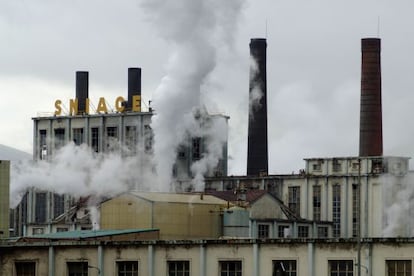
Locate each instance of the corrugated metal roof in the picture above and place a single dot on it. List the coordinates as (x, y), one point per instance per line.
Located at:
(251, 195)
(83, 234)
(194, 198)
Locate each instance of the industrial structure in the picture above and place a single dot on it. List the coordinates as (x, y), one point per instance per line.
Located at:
(331, 218)
(125, 130)
(104, 255)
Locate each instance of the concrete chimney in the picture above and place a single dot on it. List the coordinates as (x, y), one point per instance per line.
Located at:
(257, 153)
(134, 84)
(370, 130)
(82, 90)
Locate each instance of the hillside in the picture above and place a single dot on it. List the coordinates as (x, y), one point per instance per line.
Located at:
(12, 154)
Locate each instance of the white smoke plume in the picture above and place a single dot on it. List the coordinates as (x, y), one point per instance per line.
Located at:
(256, 92)
(215, 136)
(78, 171)
(398, 200)
(195, 29)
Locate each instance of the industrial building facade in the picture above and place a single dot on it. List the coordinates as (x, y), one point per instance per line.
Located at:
(353, 193)
(299, 257)
(126, 130)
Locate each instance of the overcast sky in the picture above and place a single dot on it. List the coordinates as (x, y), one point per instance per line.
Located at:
(313, 67)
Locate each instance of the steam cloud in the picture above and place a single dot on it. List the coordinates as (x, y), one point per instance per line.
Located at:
(398, 195)
(193, 29)
(256, 92)
(77, 171)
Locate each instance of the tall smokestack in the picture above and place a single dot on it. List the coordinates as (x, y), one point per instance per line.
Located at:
(134, 84)
(370, 130)
(82, 87)
(257, 156)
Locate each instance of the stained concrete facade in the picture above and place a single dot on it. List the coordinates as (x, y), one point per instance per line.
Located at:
(350, 192)
(210, 257)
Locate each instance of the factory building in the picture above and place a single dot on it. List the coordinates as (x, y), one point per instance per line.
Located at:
(105, 255)
(331, 218)
(125, 129)
(352, 193)
(177, 216)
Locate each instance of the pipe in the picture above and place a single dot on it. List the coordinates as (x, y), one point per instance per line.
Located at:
(203, 255)
(151, 260)
(311, 259)
(100, 260)
(256, 266)
(51, 261)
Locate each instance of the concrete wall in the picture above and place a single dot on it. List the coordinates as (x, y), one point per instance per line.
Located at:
(312, 256)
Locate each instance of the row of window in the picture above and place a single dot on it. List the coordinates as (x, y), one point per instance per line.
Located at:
(284, 231)
(131, 138)
(294, 205)
(226, 268)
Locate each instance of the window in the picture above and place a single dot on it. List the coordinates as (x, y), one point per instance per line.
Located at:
(398, 267)
(284, 268)
(336, 210)
(283, 231)
(322, 232)
(317, 167)
(42, 144)
(336, 166)
(230, 268)
(303, 231)
(355, 210)
(62, 229)
(37, 231)
(25, 268)
(95, 139)
(131, 138)
(77, 268)
(181, 152)
(40, 209)
(341, 268)
(58, 204)
(377, 166)
(263, 231)
(317, 202)
(111, 138)
(148, 136)
(294, 200)
(196, 148)
(59, 138)
(127, 268)
(355, 166)
(78, 136)
(178, 268)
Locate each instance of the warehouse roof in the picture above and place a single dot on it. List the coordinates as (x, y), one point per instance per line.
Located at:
(194, 198)
(87, 234)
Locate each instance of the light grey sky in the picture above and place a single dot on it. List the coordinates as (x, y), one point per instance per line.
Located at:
(313, 69)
